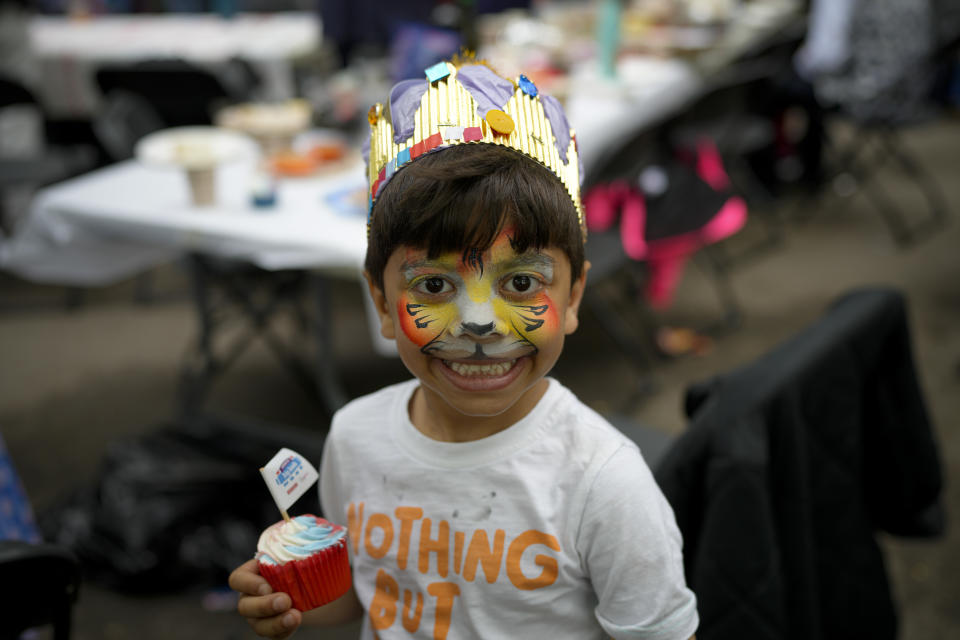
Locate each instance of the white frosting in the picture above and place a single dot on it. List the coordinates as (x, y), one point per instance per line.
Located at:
(296, 539)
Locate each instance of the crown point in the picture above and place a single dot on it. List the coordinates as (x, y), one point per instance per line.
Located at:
(373, 115)
(437, 72)
(500, 122)
(527, 86)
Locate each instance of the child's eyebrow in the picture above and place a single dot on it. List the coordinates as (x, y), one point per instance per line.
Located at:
(530, 260)
(410, 268)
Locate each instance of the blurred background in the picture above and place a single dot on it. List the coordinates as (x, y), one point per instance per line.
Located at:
(182, 224)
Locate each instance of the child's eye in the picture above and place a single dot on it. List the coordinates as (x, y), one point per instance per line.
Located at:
(521, 284)
(434, 285)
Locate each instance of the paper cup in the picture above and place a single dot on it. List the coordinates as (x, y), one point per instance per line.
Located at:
(202, 186)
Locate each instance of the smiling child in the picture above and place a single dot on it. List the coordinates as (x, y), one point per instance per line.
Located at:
(482, 499)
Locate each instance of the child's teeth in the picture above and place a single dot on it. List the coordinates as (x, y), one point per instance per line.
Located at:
(497, 369)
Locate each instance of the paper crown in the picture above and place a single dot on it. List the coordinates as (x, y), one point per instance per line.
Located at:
(470, 103)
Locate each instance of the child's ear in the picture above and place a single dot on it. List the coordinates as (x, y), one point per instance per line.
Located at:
(387, 329)
(572, 319)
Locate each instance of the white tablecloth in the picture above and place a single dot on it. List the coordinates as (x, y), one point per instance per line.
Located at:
(69, 50)
(119, 221)
(114, 222)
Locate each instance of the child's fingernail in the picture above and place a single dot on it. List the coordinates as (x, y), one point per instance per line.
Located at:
(288, 621)
(264, 589)
(279, 604)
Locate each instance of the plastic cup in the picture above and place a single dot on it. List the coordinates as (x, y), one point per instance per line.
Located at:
(202, 186)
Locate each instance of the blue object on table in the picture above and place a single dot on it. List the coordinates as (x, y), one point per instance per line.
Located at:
(263, 191)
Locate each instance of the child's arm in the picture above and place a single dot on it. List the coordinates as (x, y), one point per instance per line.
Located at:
(270, 614)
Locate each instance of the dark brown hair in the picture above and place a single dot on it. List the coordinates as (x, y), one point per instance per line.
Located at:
(463, 197)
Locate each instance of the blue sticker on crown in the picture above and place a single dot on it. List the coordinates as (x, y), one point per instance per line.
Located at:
(403, 157)
(527, 86)
(438, 71)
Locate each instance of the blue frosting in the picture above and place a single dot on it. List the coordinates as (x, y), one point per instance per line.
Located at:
(314, 537)
(318, 536)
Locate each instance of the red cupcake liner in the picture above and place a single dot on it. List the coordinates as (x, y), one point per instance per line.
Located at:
(315, 580)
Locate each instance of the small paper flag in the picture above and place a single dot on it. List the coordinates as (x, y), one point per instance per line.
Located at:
(288, 476)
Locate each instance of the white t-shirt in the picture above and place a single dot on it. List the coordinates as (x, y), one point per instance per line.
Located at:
(553, 528)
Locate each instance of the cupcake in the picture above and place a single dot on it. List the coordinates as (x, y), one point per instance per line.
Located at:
(306, 558)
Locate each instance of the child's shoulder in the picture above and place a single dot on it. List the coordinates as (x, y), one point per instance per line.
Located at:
(588, 431)
(377, 407)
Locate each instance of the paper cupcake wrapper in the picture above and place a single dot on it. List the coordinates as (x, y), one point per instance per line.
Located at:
(313, 581)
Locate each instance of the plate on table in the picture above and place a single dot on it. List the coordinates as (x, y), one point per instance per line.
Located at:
(195, 147)
(311, 152)
(273, 124)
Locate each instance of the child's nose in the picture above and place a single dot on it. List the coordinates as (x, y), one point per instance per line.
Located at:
(478, 330)
(477, 320)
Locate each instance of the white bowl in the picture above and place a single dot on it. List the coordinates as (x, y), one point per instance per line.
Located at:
(196, 147)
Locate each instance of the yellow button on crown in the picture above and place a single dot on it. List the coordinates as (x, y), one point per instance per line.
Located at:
(500, 122)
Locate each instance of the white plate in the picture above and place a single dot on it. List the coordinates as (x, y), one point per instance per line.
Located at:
(267, 119)
(196, 147)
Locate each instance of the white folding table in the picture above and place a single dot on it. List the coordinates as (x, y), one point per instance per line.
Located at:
(126, 218)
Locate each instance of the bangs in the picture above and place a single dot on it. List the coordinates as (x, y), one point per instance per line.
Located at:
(463, 197)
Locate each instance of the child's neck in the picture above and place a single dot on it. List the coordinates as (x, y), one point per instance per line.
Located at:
(433, 417)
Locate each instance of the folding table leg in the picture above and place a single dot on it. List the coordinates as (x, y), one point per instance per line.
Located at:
(222, 294)
(327, 376)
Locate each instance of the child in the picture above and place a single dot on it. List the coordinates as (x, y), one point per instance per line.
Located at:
(483, 500)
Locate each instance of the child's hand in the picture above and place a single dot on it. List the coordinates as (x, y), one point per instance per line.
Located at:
(267, 612)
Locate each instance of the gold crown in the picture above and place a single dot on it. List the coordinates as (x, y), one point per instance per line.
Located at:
(448, 115)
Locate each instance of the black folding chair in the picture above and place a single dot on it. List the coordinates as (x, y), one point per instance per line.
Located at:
(877, 96)
(39, 584)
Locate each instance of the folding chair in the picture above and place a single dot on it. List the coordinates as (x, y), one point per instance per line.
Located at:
(885, 87)
(38, 167)
(179, 93)
(789, 467)
(39, 582)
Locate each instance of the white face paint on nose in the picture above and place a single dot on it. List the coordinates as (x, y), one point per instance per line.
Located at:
(477, 317)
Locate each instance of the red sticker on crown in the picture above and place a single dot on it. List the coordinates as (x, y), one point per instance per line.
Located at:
(472, 134)
(433, 142)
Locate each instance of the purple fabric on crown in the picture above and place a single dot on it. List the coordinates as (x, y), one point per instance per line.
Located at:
(405, 99)
(487, 88)
(558, 122)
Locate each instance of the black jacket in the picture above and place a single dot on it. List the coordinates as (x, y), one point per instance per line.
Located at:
(788, 468)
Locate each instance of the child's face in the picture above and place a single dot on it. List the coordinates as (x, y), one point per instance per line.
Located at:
(479, 329)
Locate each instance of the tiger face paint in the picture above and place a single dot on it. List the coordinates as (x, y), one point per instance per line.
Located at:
(494, 304)
(480, 329)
